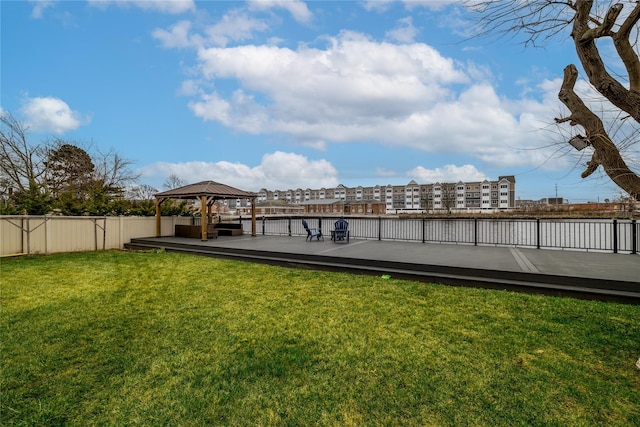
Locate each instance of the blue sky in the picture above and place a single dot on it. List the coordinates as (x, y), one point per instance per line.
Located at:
(288, 94)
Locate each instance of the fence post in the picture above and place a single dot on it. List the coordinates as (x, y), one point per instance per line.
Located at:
(320, 224)
(379, 227)
(263, 225)
(95, 234)
(615, 236)
(634, 237)
(289, 226)
(46, 235)
(537, 233)
(28, 237)
(424, 223)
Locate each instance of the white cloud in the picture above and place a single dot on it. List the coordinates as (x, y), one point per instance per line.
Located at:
(297, 9)
(163, 6)
(39, 7)
(384, 5)
(404, 32)
(277, 170)
(178, 36)
(353, 84)
(235, 26)
(189, 88)
(448, 174)
(379, 6)
(355, 89)
(50, 114)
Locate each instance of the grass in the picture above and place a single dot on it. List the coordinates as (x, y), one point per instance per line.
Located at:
(148, 338)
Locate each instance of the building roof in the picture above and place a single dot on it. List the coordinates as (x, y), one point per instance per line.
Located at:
(208, 189)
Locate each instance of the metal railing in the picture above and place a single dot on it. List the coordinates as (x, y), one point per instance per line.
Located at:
(598, 235)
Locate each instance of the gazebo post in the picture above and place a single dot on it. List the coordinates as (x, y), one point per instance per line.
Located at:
(203, 218)
(158, 217)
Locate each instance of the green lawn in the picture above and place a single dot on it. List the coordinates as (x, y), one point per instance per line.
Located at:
(147, 338)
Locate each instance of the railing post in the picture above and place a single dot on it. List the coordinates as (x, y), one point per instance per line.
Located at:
(634, 237)
(289, 226)
(538, 233)
(615, 236)
(264, 220)
(424, 236)
(379, 227)
(475, 231)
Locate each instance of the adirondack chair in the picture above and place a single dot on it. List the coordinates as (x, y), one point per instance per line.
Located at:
(341, 231)
(312, 232)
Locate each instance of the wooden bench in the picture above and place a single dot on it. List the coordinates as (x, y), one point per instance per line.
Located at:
(195, 231)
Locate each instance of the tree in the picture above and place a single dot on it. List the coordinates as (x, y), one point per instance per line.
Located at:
(141, 192)
(35, 178)
(173, 181)
(586, 22)
(21, 164)
(448, 199)
(113, 171)
(69, 169)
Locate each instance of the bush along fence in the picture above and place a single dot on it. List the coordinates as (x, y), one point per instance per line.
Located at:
(597, 235)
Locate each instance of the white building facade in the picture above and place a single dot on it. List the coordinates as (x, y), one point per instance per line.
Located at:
(479, 196)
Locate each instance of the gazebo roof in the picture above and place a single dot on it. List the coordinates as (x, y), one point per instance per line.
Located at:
(208, 189)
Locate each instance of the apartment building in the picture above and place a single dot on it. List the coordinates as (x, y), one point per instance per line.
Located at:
(439, 197)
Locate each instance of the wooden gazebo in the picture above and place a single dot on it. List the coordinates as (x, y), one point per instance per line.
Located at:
(208, 192)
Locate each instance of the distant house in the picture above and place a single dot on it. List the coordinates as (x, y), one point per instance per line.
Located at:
(344, 207)
(272, 207)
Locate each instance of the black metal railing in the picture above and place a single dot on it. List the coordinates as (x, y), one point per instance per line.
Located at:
(602, 235)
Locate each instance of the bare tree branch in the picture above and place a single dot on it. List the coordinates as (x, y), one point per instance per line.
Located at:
(594, 66)
(21, 164)
(624, 47)
(605, 151)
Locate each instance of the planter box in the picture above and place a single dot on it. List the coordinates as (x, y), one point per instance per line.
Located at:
(195, 231)
(228, 229)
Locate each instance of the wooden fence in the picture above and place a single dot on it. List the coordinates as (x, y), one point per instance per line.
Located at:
(52, 234)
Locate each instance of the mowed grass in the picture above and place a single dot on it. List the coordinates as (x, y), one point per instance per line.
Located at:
(147, 338)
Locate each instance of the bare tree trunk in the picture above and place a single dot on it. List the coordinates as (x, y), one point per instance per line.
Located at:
(605, 151)
(584, 35)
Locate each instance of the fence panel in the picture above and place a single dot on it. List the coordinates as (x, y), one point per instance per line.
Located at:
(53, 234)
